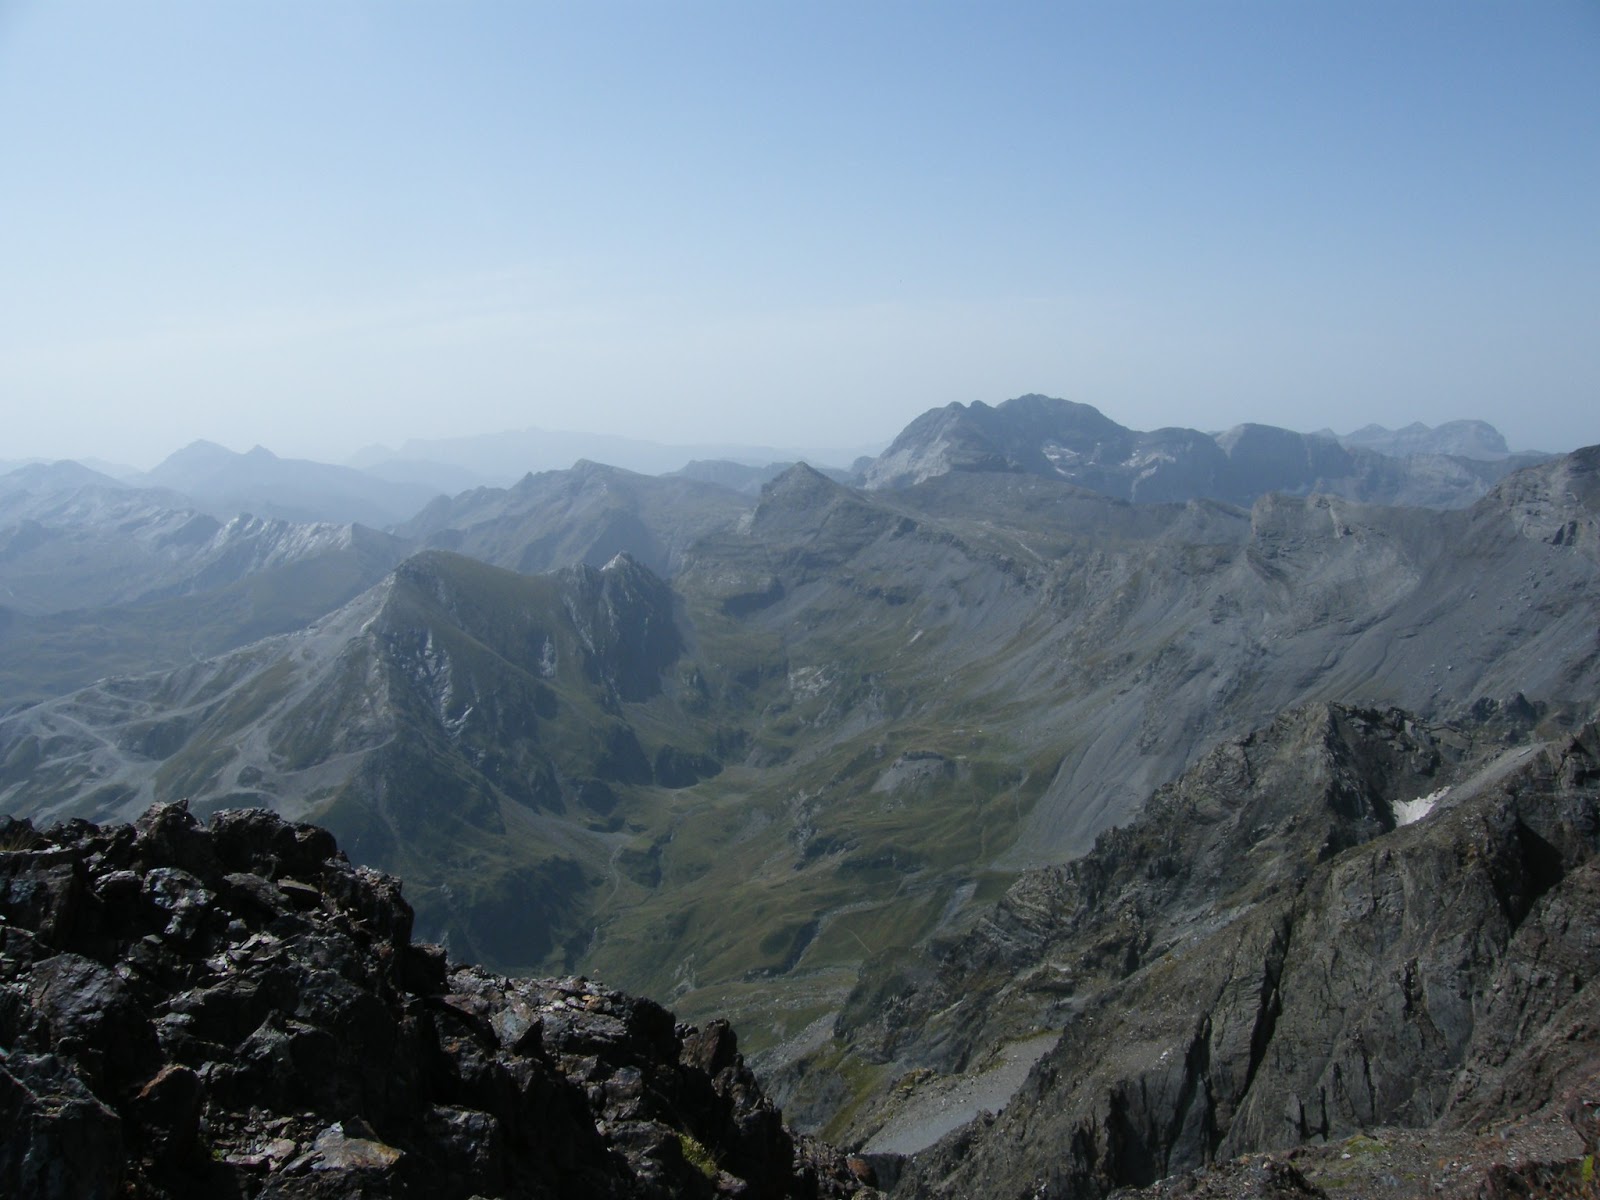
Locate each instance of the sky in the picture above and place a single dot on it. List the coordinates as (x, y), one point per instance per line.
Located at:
(319, 224)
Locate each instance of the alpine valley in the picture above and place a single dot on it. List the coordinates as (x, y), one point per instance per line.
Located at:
(1176, 796)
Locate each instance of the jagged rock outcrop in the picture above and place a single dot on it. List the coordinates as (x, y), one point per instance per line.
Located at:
(235, 1010)
(1347, 921)
(1245, 823)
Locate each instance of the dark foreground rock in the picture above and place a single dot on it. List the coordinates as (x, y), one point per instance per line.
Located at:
(1547, 1153)
(233, 1010)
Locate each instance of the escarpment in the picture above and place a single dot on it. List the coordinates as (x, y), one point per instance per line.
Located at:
(1347, 924)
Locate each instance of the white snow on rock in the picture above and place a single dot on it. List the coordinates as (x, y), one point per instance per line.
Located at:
(1408, 812)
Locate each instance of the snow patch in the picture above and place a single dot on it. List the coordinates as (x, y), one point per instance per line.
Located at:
(1409, 812)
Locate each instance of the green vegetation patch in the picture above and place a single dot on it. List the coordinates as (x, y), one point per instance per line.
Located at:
(698, 1157)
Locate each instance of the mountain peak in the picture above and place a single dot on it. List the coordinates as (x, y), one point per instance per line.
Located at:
(1027, 434)
(802, 486)
(1036, 406)
(197, 453)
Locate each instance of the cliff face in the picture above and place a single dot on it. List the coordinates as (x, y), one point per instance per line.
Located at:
(235, 1010)
(1346, 921)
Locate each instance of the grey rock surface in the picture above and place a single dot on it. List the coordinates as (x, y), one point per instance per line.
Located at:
(1284, 949)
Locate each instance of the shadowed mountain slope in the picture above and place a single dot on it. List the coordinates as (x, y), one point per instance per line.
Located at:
(450, 716)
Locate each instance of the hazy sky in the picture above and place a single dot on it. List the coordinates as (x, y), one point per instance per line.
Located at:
(315, 224)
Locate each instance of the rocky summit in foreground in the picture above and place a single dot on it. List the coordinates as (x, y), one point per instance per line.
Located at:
(233, 1010)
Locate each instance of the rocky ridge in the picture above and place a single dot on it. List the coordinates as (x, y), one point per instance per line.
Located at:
(1350, 925)
(588, 514)
(235, 1010)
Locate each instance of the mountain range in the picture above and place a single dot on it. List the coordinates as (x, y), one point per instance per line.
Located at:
(871, 679)
(815, 757)
(261, 483)
(1038, 435)
(1445, 466)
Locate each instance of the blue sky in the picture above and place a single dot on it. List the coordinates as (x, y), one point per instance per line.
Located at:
(315, 225)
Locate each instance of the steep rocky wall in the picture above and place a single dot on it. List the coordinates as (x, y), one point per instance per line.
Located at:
(1346, 973)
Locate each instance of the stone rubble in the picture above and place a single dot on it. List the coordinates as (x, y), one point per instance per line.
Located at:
(235, 1010)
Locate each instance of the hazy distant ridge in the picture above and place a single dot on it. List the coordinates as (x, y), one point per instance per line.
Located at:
(295, 489)
(500, 459)
(1466, 439)
(1060, 439)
